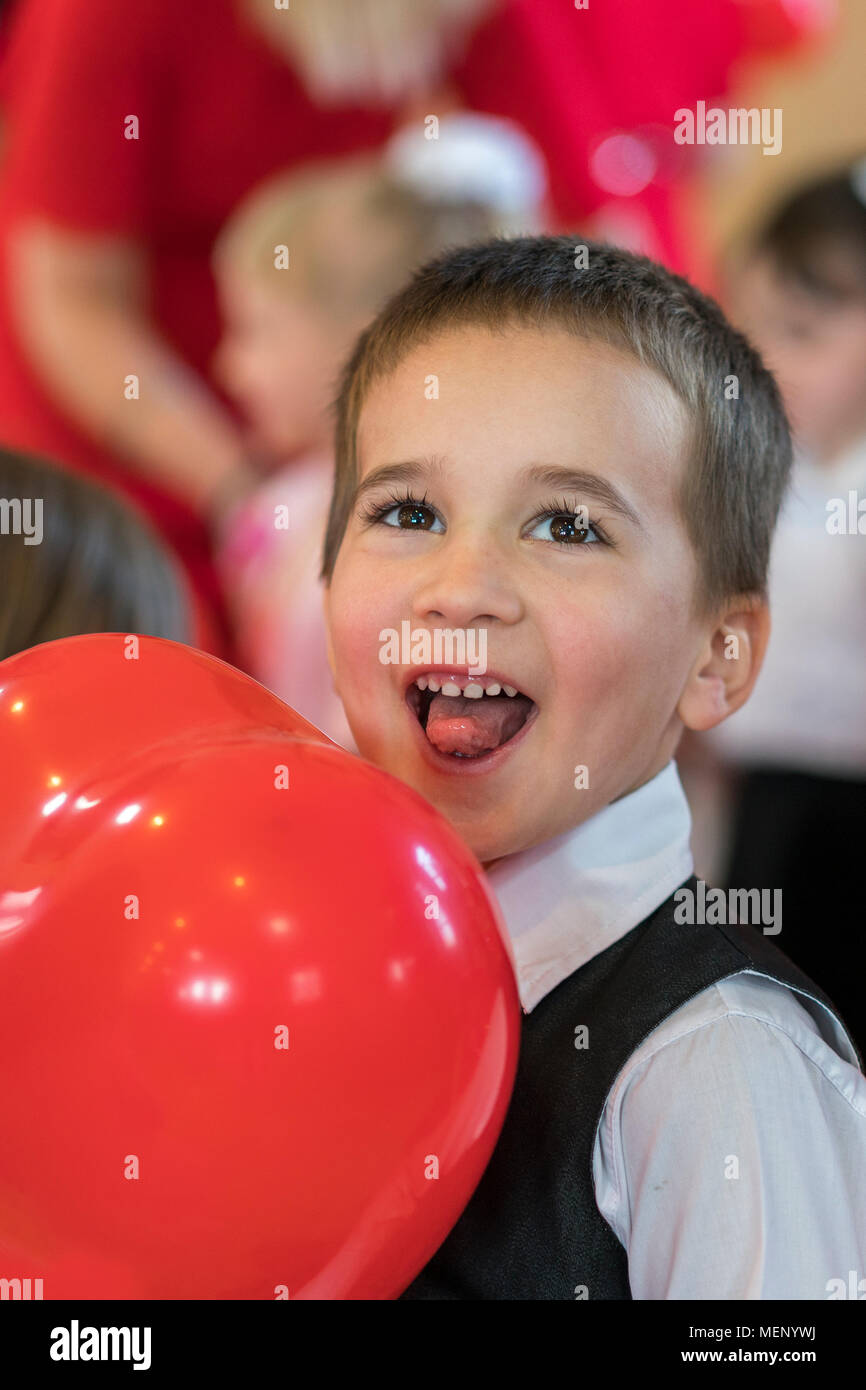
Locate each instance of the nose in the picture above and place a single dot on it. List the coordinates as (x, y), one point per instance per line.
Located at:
(467, 580)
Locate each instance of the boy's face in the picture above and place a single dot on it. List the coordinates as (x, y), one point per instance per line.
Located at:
(595, 630)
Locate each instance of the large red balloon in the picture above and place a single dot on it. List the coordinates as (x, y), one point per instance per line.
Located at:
(258, 1020)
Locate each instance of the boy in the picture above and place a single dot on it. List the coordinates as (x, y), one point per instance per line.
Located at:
(688, 1118)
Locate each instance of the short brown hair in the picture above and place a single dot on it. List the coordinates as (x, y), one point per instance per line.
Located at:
(740, 446)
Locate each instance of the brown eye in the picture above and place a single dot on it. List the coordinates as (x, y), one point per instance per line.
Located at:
(406, 515)
(412, 517)
(565, 528)
(568, 528)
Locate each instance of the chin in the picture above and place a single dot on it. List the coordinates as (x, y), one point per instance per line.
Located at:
(486, 845)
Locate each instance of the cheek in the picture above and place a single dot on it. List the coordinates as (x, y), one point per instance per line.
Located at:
(252, 364)
(795, 373)
(822, 385)
(844, 383)
(615, 656)
(285, 372)
(239, 362)
(303, 356)
(358, 612)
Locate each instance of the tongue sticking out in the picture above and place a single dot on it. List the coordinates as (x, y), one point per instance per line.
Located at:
(472, 727)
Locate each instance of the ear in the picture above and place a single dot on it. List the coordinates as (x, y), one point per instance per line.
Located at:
(727, 665)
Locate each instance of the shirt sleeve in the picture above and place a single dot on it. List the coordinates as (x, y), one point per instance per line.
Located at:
(739, 1168)
(75, 72)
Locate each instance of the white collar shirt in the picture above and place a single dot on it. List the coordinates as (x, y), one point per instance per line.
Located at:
(730, 1157)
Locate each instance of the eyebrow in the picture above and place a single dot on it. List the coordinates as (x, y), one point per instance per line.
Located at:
(550, 476)
(412, 471)
(577, 480)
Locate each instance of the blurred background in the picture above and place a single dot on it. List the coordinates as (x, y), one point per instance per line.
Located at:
(201, 207)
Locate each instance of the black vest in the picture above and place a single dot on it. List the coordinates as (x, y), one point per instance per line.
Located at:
(532, 1229)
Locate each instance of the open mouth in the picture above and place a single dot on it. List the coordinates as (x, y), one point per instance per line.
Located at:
(464, 718)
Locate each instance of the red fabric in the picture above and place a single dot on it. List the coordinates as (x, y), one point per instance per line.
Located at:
(573, 77)
(218, 111)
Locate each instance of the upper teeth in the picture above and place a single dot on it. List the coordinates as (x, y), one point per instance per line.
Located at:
(470, 688)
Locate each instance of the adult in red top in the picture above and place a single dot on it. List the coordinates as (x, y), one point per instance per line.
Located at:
(130, 133)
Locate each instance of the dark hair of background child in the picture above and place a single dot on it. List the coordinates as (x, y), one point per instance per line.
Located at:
(99, 567)
(817, 235)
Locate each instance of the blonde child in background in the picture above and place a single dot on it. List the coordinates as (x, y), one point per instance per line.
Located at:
(353, 231)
